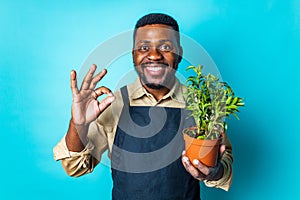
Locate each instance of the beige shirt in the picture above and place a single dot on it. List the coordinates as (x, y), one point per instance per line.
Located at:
(101, 134)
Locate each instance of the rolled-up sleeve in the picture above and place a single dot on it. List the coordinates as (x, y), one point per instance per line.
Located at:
(100, 138)
(80, 163)
(75, 163)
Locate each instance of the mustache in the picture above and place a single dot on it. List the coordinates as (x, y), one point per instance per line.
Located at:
(160, 64)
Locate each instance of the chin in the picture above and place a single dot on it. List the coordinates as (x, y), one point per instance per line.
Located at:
(157, 83)
(154, 86)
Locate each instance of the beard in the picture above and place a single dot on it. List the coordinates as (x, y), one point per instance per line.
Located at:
(154, 86)
(164, 80)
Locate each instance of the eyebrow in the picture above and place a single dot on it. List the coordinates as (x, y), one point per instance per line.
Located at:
(166, 40)
(143, 41)
(148, 41)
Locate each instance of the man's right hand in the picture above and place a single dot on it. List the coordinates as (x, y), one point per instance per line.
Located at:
(85, 106)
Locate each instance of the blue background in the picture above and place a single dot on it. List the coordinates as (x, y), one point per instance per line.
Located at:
(255, 45)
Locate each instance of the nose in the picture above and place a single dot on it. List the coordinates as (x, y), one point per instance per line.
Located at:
(154, 54)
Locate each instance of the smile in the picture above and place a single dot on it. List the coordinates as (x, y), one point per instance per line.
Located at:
(155, 69)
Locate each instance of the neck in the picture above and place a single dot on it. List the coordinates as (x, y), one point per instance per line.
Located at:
(157, 93)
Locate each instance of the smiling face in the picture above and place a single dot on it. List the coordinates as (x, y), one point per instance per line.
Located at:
(156, 55)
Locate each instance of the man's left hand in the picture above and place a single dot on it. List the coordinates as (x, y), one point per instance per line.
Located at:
(202, 172)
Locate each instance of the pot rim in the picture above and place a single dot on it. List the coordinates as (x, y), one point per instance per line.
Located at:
(195, 127)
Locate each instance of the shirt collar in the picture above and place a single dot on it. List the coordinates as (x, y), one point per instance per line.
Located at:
(138, 91)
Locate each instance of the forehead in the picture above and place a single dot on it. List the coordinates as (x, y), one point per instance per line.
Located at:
(155, 32)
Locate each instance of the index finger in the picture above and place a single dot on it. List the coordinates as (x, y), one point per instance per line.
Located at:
(88, 77)
(191, 169)
(97, 78)
(201, 167)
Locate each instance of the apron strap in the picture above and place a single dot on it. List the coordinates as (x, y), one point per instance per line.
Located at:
(125, 97)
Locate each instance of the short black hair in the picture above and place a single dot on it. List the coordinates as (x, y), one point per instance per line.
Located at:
(157, 18)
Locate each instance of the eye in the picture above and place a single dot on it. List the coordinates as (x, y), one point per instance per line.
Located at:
(165, 47)
(143, 48)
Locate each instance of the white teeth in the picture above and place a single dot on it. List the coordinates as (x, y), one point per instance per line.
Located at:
(154, 68)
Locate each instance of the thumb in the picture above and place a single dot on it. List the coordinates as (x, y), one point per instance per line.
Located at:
(222, 150)
(106, 102)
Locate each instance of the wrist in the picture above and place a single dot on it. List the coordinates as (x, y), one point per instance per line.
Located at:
(82, 125)
(80, 129)
(76, 138)
(218, 173)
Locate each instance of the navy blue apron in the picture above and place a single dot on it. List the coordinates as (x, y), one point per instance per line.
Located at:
(146, 155)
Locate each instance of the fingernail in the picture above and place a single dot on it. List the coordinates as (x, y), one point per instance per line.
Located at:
(196, 162)
(112, 98)
(183, 152)
(185, 159)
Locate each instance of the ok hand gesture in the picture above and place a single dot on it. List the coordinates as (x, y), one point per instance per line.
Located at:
(85, 106)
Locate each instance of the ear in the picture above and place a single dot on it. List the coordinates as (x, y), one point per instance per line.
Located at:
(132, 54)
(180, 54)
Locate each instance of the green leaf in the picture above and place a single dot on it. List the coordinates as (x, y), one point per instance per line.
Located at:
(201, 137)
(210, 100)
(191, 67)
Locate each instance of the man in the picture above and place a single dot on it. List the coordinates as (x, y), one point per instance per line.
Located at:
(140, 125)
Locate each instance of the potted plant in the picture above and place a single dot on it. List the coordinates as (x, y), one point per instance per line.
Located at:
(209, 102)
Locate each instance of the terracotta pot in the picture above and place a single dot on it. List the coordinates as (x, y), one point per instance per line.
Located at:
(206, 151)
